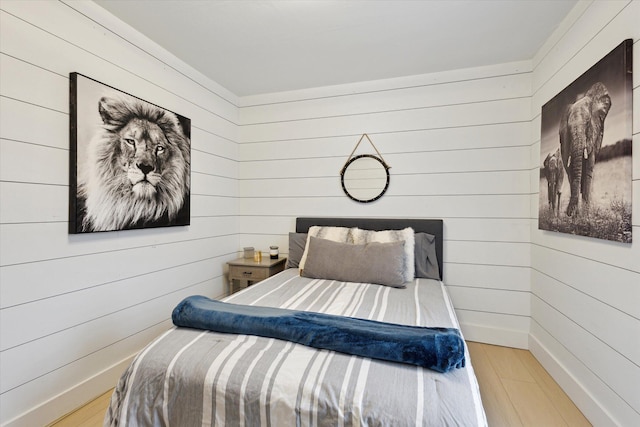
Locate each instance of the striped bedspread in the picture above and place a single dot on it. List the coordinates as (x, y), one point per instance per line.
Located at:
(189, 377)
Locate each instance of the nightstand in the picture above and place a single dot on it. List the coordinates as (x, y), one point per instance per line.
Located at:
(246, 269)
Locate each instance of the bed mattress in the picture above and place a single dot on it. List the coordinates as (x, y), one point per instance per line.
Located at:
(189, 377)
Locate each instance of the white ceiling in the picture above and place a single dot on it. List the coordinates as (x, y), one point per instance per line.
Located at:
(262, 46)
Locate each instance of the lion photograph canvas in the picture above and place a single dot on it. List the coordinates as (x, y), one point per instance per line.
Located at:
(130, 161)
(585, 152)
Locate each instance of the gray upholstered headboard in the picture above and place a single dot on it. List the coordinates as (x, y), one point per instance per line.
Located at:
(431, 226)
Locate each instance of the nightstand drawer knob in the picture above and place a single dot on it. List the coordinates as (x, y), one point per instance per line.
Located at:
(247, 273)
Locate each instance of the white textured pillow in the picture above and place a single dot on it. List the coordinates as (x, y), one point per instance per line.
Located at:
(407, 235)
(335, 234)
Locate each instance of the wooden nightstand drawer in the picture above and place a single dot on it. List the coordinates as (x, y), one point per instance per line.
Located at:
(244, 272)
(249, 271)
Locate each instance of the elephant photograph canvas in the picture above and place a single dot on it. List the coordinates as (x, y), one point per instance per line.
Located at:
(585, 152)
(130, 161)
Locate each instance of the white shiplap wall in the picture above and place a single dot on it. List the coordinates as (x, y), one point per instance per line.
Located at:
(585, 302)
(75, 308)
(458, 146)
(463, 146)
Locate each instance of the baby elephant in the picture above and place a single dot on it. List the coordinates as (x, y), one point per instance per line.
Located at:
(554, 172)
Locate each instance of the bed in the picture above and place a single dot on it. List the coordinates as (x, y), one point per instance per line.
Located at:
(189, 376)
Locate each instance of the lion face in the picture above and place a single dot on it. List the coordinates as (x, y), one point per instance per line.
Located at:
(137, 167)
(145, 153)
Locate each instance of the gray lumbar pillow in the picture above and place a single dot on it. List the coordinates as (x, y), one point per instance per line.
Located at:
(380, 263)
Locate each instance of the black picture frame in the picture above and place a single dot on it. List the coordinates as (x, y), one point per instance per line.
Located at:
(130, 161)
(586, 186)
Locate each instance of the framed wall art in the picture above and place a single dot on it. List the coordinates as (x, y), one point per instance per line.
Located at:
(585, 152)
(130, 161)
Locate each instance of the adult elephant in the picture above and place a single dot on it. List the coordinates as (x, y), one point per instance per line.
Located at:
(554, 172)
(581, 130)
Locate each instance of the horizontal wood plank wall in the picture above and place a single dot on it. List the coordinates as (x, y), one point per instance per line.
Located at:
(458, 147)
(585, 302)
(75, 308)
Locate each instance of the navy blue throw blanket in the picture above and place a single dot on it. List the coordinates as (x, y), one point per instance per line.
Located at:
(440, 349)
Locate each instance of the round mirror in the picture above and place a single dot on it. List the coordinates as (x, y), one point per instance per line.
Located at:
(365, 178)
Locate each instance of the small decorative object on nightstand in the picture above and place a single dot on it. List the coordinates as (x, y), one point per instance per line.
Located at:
(274, 253)
(250, 271)
(249, 252)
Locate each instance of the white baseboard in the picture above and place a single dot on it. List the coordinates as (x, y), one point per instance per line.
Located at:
(491, 335)
(72, 398)
(584, 400)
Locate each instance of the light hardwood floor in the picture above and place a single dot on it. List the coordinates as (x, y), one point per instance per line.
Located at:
(515, 389)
